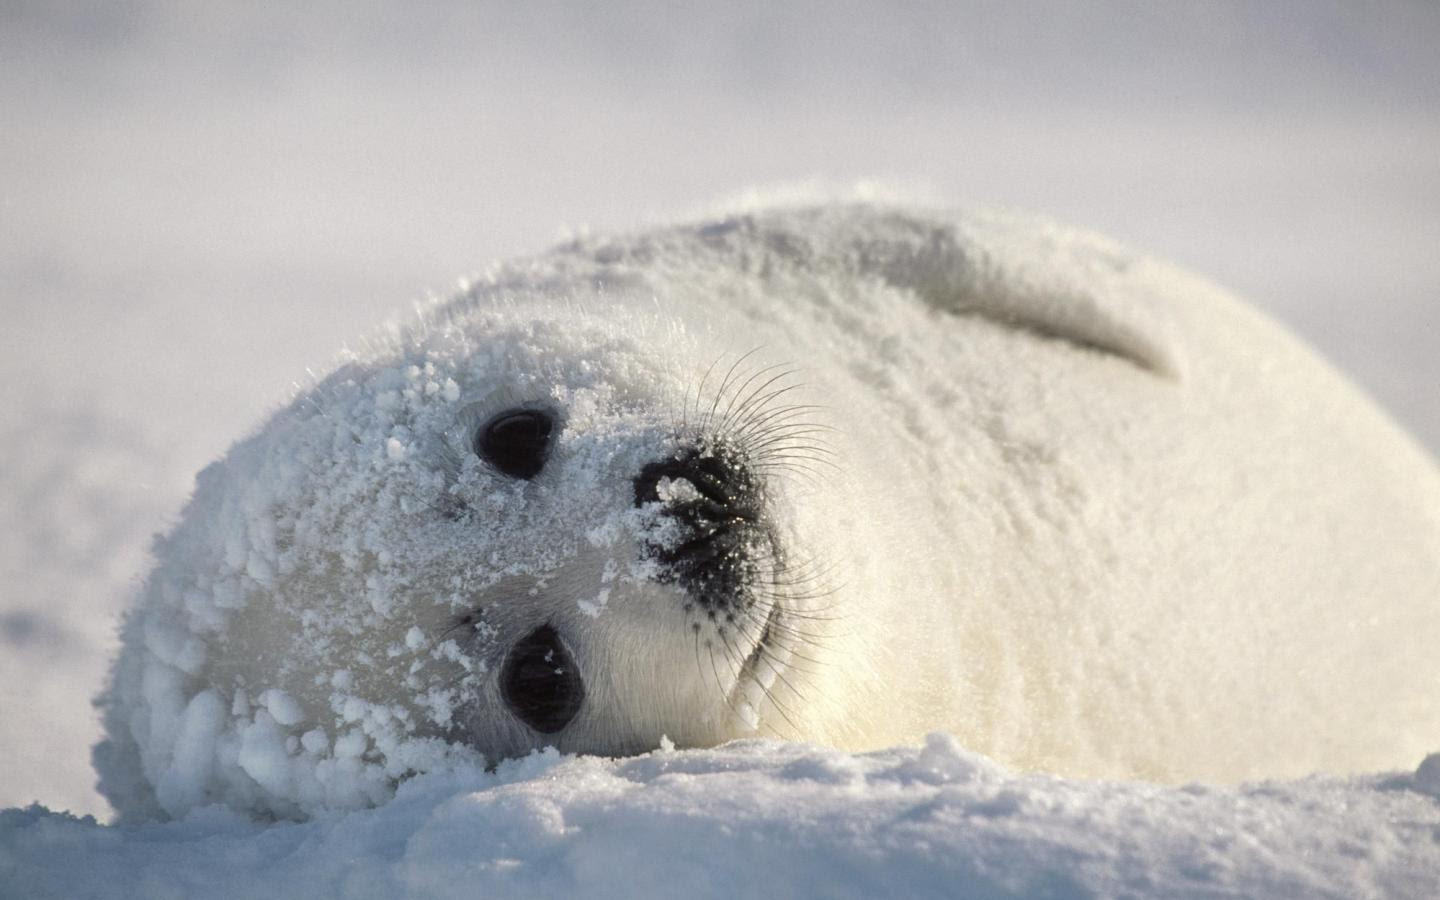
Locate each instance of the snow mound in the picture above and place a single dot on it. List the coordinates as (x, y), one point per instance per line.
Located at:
(762, 818)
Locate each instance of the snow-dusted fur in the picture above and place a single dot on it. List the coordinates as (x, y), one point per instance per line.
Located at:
(1081, 509)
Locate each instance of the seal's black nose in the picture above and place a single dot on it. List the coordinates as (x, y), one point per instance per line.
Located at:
(717, 502)
(540, 682)
(722, 491)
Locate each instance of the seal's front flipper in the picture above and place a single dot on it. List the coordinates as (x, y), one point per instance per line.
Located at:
(1022, 272)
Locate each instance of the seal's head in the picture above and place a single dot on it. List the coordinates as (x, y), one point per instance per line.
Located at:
(626, 559)
(492, 534)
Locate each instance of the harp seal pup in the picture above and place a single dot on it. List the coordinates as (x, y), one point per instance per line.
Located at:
(845, 473)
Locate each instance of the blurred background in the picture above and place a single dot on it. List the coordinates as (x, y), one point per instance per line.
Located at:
(199, 200)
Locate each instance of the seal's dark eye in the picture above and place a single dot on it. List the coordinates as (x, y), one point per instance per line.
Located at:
(516, 442)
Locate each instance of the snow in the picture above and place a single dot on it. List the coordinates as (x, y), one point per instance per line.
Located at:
(764, 818)
(80, 493)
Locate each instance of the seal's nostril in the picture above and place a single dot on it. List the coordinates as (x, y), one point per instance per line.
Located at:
(719, 485)
(540, 681)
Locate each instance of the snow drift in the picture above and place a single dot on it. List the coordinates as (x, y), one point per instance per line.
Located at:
(767, 819)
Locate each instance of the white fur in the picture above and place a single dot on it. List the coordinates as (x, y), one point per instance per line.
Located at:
(1087, 512)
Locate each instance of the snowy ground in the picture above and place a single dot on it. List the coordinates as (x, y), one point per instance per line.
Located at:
(765, 819)
(195, 207)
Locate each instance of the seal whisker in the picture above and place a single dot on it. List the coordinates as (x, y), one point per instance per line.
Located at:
(763, 395)
(724, 386)
(739, 391)
(779, 671)
(779, 454)
(787, 415)
(700, 388)
(757, 400)
(778, 434)
(791, 573)
(803, 590)
(817, 454)
(780, 624)
(803, 580)
(813, 453)
(801, 637)
(782, 452)
(724, 694)
(762, 654)
(810, 477)
(715, 672)
(742, 682)
(781, 459)
(775, 416)
(695, 630)
(780, 628)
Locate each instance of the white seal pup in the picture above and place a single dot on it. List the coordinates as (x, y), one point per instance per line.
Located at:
(844, 473)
